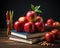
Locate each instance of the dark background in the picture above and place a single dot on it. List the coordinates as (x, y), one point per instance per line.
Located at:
(50, 8)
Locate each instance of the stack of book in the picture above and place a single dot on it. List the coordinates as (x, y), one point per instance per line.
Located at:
(26, 37)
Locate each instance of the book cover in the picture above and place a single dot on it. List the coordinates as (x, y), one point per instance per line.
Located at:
(29, 41)
(27, 35)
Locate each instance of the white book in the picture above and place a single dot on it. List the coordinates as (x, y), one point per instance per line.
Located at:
(29, 41)
(27, 35)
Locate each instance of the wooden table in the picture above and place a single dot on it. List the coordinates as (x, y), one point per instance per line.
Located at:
(6, 43)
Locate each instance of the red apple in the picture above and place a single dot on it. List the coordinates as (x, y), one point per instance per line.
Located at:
(22, 19)
(56, 32)
(56, 24)
(39, 18)
(49, 37)
(50, 21)
(29, 27)
(39, 26)
(31, 16)
(48, 24)
(18, 26)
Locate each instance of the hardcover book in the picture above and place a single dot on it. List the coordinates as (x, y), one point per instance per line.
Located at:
(27, 35)
(29, 41)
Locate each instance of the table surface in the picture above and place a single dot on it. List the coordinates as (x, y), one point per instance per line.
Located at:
(6, 43)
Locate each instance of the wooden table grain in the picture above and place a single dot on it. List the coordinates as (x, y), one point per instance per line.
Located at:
(6, 43)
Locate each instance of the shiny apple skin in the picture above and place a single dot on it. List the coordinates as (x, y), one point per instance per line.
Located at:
(56, 24)
(49, 37)
(29, 27)
(50, 22)
(18, 26)
(39, 26)
(39, 18)
(56, 32)
(31, 16)
(23, 19)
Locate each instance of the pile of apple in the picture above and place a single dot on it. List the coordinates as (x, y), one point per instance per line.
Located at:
(32, 22)
(52, 35)
(29, 23)
(51, 22)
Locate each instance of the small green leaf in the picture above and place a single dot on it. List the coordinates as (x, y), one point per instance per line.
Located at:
(32, 7)
(39, 11)
(37, 7)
